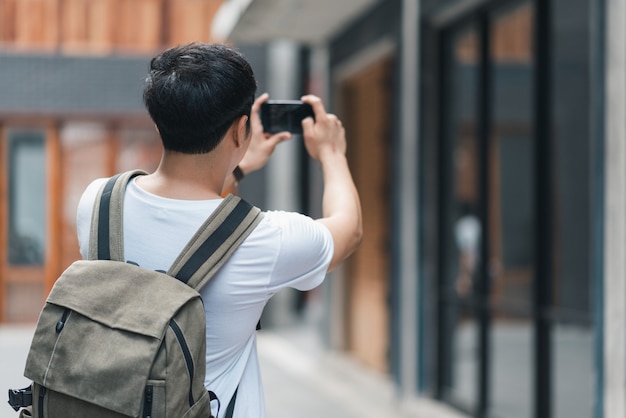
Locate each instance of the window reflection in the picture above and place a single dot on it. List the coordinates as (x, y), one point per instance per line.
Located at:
(462, 227)
(494, 355)
(511, 211)
(27, 198)
(572, 278)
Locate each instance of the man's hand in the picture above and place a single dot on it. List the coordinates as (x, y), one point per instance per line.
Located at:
(262, 144)
(324, 135)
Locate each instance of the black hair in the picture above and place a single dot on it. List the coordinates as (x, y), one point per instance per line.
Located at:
(195, 92)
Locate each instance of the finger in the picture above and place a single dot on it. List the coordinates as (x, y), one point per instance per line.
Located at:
(317, 104)
(259, 101)
(307, 126)
(280, 137)
(333, 118)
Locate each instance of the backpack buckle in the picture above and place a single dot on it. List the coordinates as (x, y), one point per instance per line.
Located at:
(19, 398)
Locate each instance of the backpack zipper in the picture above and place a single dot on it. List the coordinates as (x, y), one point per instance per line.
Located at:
(59, 326)
(147, 403)
(42, 395)
(186, 354)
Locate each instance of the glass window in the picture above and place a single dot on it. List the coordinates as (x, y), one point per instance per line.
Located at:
(27, 198)
(521, 182)
(462, 228)
(511, 211)
(572, 285)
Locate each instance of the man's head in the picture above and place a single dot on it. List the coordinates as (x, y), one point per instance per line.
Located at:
(195, 92)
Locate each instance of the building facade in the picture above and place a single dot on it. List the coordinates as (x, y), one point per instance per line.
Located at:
(487, 141)
(486, 137)
(71, 75)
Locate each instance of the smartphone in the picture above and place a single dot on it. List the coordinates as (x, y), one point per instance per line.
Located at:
(284, 115)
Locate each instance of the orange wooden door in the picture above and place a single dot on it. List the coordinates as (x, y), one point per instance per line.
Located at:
(28, 203)
(365, 109)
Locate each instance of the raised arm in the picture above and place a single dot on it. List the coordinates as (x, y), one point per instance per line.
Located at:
(325, 141)
(261, 147)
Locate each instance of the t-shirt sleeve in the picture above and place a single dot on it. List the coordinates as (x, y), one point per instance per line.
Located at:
(305, 253)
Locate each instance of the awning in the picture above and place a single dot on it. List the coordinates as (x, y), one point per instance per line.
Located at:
(305, 21)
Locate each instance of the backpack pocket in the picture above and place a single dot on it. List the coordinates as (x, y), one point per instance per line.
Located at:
(51, 404)
(89, 361)
(154, 400)
(100, 330)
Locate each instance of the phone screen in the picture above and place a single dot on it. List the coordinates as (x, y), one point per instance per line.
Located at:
(284, 115)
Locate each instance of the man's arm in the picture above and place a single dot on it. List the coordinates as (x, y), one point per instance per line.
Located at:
(341, 208)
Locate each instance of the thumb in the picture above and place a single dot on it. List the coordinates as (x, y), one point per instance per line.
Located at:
(279, 137)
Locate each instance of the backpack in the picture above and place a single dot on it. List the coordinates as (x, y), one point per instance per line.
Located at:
(116, 340)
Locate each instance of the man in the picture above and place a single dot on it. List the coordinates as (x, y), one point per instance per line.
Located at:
(201, 99)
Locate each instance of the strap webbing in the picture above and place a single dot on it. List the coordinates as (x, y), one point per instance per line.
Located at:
(211, 246)
(106, 239)
(230, 410)
(104, 251)
(215, 241)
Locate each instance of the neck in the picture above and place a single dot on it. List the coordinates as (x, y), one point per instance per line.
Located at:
(186, 176)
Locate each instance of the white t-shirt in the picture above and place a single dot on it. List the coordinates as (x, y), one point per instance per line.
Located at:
(285, 250)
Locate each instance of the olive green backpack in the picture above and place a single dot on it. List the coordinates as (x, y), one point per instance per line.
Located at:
(116, 340)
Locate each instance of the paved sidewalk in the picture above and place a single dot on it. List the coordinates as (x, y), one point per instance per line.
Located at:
(300, 379)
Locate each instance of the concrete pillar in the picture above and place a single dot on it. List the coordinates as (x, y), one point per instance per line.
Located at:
(282, 81)
(615, 212)
(283, 73)
(329, 308)
(408, 234)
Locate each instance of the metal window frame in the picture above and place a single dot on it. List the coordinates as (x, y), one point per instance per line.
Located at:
(480, 12)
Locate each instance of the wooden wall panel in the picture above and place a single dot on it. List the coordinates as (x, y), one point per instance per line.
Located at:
(36, 23)
(190, 20)
(85, 156)
(148, 35)
(7, 21)
(74, 23)
(87, 25)
(366, 99)
(82, 27)
(138, 25)
(103, 26)
(102, 23)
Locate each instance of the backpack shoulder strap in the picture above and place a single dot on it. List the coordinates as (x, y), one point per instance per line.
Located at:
(211, 246)
(106, 238)
(215, 241)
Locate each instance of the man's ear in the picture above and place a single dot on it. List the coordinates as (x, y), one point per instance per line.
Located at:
(241, 130)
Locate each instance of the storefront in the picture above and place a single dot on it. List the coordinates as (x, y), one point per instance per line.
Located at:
(71, 110)
(490, 156)
(81, 120)
(509, 213)
(487, 142)
(44, 170)
(512, 204)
